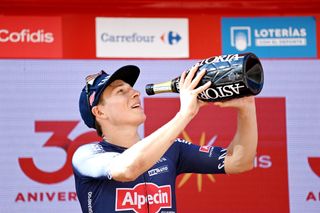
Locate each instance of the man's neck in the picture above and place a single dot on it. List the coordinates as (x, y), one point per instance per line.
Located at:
(121, 136)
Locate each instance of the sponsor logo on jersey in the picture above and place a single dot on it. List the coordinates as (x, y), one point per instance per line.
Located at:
(205, 149)
(162, 159)
(143, 198)
(159, 170)
(181, 140)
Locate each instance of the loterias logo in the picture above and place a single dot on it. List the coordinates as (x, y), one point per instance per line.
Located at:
(241, 37)
(136, 199)
(270, 37)
(30, 37)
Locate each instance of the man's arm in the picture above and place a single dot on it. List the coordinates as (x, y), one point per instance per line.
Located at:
(145, 153)
(242, 149)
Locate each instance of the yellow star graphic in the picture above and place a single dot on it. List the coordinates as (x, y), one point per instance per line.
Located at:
(187, 176)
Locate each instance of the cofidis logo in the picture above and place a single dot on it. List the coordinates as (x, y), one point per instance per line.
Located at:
(285, 37)
(30, 37)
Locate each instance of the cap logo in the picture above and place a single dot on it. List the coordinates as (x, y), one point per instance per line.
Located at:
(90, 78)
(104, 80)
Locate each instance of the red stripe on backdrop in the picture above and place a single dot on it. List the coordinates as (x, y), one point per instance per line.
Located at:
(79, 36)
(205, 36)
(318, 34)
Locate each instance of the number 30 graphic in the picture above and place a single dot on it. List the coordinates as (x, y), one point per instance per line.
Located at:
(59, 138)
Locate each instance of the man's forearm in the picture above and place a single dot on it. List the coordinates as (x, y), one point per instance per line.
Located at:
(242, 149)
(145, 153)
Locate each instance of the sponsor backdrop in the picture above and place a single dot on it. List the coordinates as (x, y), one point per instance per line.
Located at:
(139, 38)
(41, 128)
(30, 37)
(90, 37)
(273, 37)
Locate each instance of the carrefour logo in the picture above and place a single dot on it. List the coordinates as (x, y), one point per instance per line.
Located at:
(169, 37)
(270, 37)
(142, 37)
(127, 38)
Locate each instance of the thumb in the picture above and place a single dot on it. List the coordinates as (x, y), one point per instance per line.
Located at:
(218, 103)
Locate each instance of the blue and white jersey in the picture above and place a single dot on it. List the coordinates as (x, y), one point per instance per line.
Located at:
(153, 191)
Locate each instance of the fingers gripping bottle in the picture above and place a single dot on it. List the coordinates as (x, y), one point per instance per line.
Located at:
(231, 76)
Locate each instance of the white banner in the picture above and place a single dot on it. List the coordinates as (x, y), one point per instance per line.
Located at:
(39, 99)
(142, 38)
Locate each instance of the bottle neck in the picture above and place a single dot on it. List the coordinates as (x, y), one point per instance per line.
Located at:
(163, 87)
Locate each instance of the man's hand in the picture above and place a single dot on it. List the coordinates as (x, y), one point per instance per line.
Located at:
(239, 103)
(189, 103)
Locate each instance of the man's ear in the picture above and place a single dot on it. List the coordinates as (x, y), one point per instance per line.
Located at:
(97, 112)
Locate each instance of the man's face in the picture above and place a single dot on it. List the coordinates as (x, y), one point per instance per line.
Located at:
(121, 103)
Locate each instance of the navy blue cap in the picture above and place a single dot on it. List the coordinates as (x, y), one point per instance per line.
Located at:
(96, 83)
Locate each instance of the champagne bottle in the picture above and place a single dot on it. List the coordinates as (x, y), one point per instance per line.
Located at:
(231, 76)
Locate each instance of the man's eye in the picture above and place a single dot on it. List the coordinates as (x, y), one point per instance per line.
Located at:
(120, 91)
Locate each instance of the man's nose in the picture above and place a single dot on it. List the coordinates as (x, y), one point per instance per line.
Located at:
(135, 93)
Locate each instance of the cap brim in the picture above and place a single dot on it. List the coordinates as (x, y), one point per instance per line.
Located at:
(128, 74)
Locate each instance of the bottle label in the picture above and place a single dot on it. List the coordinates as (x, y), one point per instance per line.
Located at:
(221, 92)
(221, 58)
(162, 87)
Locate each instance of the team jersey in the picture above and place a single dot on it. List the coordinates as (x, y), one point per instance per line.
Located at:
(153, 191)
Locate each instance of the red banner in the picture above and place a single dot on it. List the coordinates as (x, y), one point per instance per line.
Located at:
(264, 189)
(30, 37)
